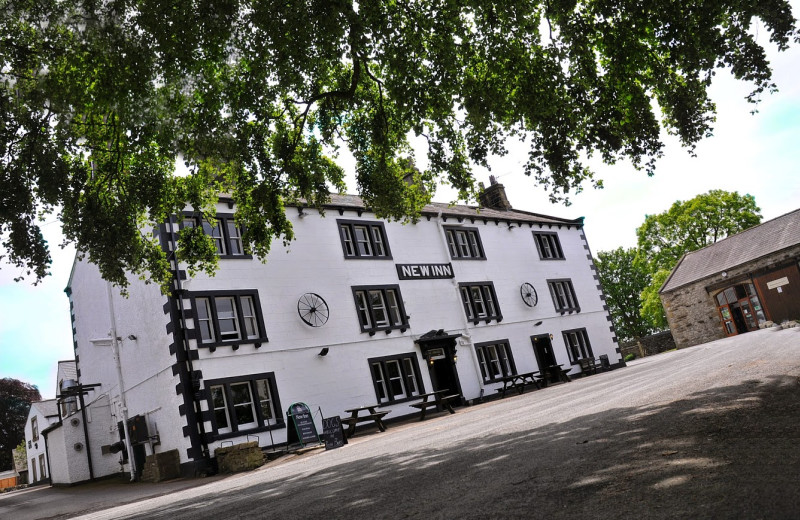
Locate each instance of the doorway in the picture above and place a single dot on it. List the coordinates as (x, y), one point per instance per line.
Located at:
(440, 356)
(543, 349)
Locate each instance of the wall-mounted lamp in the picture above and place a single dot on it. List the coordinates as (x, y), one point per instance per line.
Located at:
(301, 213)
(430, 360)
(724, 274)
(132, 337)
(323, 352)
(551, 337)
(455, 358)
(537, 323)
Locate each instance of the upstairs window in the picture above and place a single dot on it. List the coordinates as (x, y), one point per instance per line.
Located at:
(563, 294)
(480, 302)
(34, 428)
(396, 378)
(464, 243)
(578, 346)
(548, 245)
(228, 317)
(495, 360)
(380, 308)
(224, 232)
(361, 239)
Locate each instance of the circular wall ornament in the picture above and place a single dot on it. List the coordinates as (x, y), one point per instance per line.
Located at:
(528, 294)
(313, 310)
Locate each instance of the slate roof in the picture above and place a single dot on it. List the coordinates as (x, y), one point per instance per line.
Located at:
(765, 239)
(47, 408)
(68, 369)
(462, 211)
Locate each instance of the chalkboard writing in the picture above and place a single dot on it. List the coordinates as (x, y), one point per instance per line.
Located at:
(332, 432)
(301, 425)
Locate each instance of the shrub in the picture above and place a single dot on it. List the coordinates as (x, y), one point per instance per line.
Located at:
(630, 357)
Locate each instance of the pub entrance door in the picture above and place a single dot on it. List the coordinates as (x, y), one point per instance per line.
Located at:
(439, 352)
(543, 349)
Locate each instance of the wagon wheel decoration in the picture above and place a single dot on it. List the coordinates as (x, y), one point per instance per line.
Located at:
(528, 294)
(313, 310)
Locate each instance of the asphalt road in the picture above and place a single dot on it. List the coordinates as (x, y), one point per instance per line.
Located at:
(706, 432)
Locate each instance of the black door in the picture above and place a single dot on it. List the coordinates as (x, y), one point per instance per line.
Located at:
(442, 367)
(543, 348)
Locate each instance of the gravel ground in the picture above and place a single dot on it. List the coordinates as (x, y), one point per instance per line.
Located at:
(706, 432)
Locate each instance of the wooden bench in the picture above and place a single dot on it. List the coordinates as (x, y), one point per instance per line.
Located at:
(439, 401)
(354, 419)
(588, 365)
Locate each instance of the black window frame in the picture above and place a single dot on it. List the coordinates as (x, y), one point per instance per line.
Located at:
(251, 379)
(469, 303)
(567, 284)
(237, 295)
(476, 250)
(372, 226)
(222, 224)
(554, 244)
(481, 350)
(412, 357)
(370, 326)
(585, 349)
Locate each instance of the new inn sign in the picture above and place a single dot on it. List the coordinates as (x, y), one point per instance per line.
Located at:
(424, 271)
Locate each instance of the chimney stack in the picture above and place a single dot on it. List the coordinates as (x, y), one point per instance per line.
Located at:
(494, 196)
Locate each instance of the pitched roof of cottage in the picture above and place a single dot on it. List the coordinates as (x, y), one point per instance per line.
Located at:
(67, 370)
(46, 408)
(463, 211)
(765, 239)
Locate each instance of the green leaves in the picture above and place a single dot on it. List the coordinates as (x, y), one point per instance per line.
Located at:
(98, 102)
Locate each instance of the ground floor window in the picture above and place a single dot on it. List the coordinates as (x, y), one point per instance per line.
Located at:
(578, 346)
(42, 466)
(243, 404)
(396, 378)
(495, 360)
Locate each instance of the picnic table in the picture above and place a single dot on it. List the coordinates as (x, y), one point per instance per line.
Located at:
(556, 374)
(356, 417)
(438, 399)
(518, 381)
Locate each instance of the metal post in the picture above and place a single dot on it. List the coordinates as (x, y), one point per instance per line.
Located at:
(118, 363)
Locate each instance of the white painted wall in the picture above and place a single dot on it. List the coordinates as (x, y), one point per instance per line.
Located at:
(314, 262)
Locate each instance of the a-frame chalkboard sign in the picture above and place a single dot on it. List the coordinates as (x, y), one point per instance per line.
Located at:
(301, 429)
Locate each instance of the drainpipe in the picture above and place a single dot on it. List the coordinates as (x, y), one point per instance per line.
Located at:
(473, 355)
(118, 363)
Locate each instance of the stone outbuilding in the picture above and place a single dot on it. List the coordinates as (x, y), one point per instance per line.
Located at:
(737, 284)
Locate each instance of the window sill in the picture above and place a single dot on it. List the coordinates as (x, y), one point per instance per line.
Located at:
(230, 435)
(467, 258)
(256, 342)
(346, 257)
(387, 330)
(235, 257)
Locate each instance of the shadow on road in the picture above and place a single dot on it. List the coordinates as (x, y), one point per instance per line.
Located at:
(729, 452)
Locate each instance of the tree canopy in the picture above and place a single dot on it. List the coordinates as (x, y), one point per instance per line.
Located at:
(15, 401)
(100, 100)
(693, 224)
(632, 278)
(623, 279)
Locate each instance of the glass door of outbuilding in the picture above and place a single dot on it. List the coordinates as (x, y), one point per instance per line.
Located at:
(739, 309)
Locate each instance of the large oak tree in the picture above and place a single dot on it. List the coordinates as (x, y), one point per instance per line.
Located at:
(15, 402)
(100, 99)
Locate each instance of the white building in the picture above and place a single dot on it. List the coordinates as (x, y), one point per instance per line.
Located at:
(355, 311)
(41, 415)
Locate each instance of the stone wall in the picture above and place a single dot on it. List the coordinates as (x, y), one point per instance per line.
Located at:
(648, 345)
(162, 466)
(691, 310)
(240, 457)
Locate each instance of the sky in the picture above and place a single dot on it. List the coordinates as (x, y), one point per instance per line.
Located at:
(756, 154)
